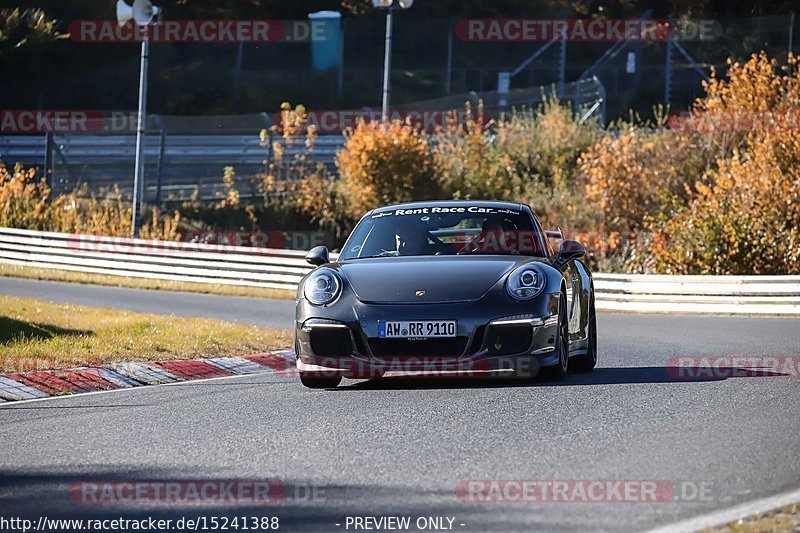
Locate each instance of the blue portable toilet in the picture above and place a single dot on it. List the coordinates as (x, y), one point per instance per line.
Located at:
(326, 39)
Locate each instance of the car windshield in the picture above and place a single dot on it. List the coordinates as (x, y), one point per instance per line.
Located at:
(424, 231)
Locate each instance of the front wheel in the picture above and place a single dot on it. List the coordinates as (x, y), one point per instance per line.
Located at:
(585, 363)
(319, 382)
(560, 369)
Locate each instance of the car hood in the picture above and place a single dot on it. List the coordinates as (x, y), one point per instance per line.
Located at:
(442, 278)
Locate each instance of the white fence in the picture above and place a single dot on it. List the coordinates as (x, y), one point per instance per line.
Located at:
(282, 269)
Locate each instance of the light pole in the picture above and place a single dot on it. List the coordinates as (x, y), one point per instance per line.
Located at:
(389, 6)
(142, 13)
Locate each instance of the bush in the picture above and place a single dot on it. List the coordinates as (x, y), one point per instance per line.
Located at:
(544, 143)
(23, 199)
(296, 187)
(746, 222)
(28, 203)
(384, 164)
(747, 219)
(641, 175)
(468, 163)
(281, 171)
(285, 195)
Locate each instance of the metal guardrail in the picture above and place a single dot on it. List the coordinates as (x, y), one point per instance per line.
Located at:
(174, 169)
(283, 269)
(140, 258)
(749, 295)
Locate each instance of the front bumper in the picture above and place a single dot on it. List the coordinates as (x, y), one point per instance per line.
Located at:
(490, 340)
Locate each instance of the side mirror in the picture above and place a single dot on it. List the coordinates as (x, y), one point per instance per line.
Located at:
(317, 256)
(569, 251)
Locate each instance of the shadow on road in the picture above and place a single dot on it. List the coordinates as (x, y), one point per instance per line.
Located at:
(103, 492)
(599, 376)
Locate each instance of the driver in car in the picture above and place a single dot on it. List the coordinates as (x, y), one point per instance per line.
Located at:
(410, 240)
(498, 235)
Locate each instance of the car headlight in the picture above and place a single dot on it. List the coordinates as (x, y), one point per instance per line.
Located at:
(526, 282)
(322, 287)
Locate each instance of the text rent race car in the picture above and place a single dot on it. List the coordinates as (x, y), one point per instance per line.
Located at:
(448, 287)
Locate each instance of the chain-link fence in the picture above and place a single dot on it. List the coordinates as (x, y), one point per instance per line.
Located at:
(431, 58)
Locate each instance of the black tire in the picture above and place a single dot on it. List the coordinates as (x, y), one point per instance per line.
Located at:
(585, 363)
(561, 368)
(319, 382)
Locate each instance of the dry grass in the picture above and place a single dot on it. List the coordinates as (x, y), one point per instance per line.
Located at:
(779, 521)
(36, 335)
(140, 283)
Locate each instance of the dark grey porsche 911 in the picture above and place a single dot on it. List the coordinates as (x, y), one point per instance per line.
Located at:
(446, 288)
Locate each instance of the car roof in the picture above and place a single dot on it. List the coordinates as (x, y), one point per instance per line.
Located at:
(450, 203)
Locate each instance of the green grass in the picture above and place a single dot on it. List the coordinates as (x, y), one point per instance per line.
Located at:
(49, 274)
(36, 335)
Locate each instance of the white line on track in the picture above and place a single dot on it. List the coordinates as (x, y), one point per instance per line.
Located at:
(724, 516)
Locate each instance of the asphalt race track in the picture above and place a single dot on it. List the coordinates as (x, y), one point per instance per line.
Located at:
(267, 313)
(400, 447)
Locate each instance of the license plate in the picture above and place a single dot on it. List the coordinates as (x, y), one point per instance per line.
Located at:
(417, 329)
